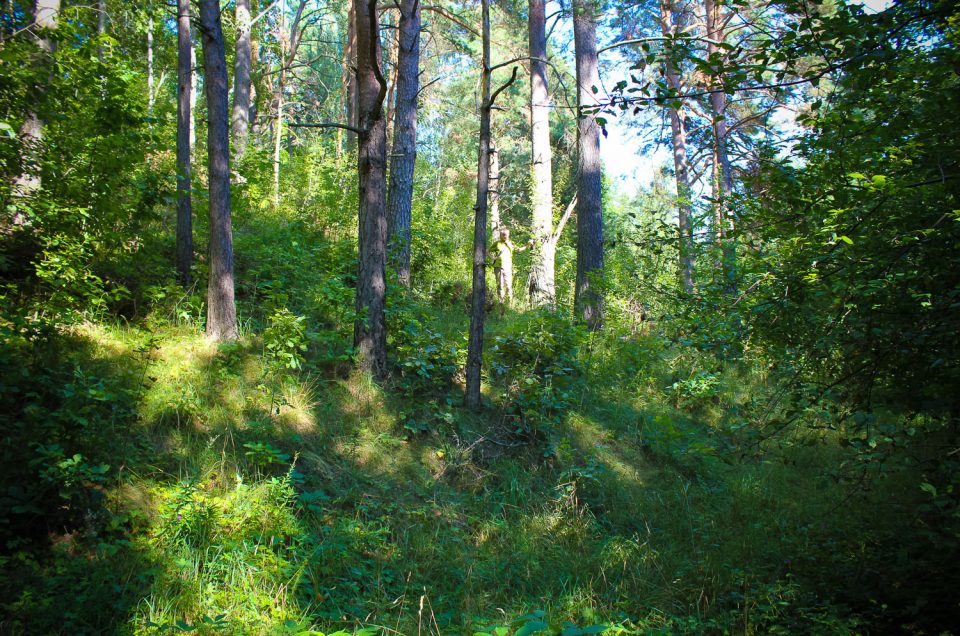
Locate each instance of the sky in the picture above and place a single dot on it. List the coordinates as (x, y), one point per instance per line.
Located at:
(625, 163)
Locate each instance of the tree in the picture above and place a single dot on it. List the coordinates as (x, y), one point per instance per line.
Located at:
(184, 143)
(587, 299)
(349, 87)
(723, 176)
(221, 309)
(45, 16)
(404, 155)
(541, 285)
(151, 92)
(478, 303)
(240, 119)
(678, 135)
(370, 329)
(288, 53)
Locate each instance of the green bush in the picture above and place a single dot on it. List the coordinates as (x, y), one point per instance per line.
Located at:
(535, 364)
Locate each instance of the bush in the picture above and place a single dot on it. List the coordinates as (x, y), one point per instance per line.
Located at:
(536, 363)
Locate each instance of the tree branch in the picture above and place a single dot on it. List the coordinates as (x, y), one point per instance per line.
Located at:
(512, 79)
(566, 217)
(353, 129)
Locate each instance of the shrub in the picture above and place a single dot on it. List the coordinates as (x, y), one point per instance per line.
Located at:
(536, 364)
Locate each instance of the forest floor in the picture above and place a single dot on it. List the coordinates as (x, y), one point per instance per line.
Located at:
(247, 498)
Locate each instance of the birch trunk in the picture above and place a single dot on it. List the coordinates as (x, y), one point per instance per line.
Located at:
(349, 91)
(588, 300)
(193, 96)
(680, 164)
(150, 61)
(503, 265)
(28, 182)
(278, 99)
(101, 26)
(221, 310)
(723, 177)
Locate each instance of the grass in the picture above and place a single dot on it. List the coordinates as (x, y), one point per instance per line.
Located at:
(249, 499)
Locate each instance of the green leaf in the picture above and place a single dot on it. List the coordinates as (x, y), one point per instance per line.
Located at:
(531, 627)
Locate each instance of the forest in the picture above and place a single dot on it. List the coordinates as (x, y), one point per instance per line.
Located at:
(486, 317)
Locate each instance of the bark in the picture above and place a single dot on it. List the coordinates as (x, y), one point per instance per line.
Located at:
(370, 330)
(495, 222)
(503, 265)
(288, 52)
(404, 156)
(150, 61)
(390, 61)
(350, 76)
(478, 304)
(101, 26)
(193, 96)
(221, 310)
(184, 145)
(278, 100)
(680, 164)
(29, 181)
(723, 177)
(542, 289)
(240, 118)
(588, 300)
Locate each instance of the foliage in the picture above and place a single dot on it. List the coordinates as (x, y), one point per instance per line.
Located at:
(536, 365)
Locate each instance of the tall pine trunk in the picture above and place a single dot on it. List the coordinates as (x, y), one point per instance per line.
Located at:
(370, 329)
(28, 182)
(588, 299)
(184, 147)
(404, 156)
(478, 304)
(681, 165)
(240, 119)
(542, 287)
(221, 310)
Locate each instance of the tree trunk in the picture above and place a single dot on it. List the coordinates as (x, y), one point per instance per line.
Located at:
(478, 304)
(370, 330)
(184, 148)
(390, 44)
(240, 119)
(288, 53)
(278, 100)
(588, 300)
(28, 182)
(542, 289)
(221, 310)
(350, 76)
(150, 60)
(193, 97)
(723, 177)
(503, 263)
(404, 156)
(101, 26)
(680, 164)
